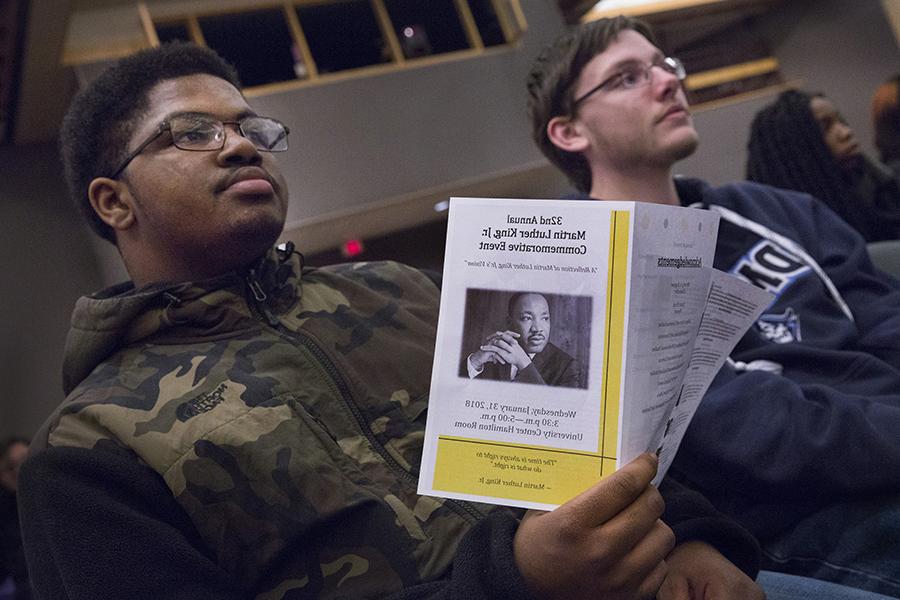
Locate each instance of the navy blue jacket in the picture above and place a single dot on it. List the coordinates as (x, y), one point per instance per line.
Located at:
(807, 410)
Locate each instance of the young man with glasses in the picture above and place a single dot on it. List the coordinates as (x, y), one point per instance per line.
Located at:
(238, 426)
(797, 438)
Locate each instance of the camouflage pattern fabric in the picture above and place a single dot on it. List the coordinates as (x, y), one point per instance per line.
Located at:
(286, 414)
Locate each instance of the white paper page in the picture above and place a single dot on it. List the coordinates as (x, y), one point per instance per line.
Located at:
(672, 266)
(544, 437)
(732, 307)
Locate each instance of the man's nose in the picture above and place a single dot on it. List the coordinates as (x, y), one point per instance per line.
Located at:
(237, 148)
(664, 83)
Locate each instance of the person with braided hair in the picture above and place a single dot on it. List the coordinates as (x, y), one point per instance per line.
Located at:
(801, 142)
(886, 122)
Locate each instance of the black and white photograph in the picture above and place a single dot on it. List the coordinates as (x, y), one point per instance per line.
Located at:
(526, 337)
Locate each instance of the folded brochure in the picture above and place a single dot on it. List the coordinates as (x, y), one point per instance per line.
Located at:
(572, 337)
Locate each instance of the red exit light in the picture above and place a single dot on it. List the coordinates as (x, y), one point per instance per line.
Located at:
(352, 248)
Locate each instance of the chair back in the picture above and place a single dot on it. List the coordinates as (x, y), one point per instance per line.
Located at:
(886, 256)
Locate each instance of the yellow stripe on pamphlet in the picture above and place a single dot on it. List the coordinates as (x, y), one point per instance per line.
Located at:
(613, 343)
(515, 471)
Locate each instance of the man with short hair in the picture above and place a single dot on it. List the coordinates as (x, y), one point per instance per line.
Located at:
(797, 437)
(13, 452)
(523, 353)
(13, 570)
(239, 426)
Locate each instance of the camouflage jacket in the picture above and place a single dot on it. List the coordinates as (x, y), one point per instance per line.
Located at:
(259, 436)
(284, 413)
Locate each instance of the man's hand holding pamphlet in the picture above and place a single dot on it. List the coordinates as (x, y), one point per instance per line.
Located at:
(573, 337)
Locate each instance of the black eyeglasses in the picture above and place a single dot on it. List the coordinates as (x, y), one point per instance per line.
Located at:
(637, 75)
(198, 133)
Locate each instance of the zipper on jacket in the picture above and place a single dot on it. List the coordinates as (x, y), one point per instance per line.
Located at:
(261, 311)
(259, 295)
(464, 510)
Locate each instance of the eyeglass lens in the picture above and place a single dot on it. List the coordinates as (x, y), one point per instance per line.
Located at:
(639, 75)
(193, 133)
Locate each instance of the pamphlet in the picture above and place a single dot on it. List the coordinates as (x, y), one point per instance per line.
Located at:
(572, 337)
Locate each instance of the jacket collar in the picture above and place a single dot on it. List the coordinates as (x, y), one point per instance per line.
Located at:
(226, 305)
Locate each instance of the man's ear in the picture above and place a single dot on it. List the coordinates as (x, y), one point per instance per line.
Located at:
(112, 201)
(566, 135)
